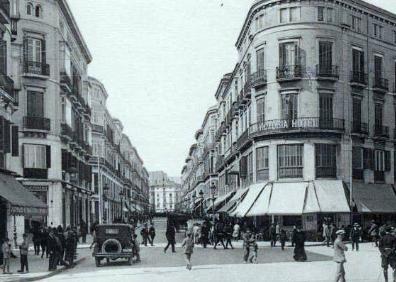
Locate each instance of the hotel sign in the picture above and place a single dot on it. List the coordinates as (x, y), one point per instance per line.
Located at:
(286, 124)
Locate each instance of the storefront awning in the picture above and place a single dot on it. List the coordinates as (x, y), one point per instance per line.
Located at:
(220, 201)
(244, 206)
(330, 196)
(21, 201)
(374, 198)
(261, 205)
(234, 200)
(287, 198)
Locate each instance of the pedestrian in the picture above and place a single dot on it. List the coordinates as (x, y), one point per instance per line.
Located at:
(299, 249)
(60, 239)
(293, 237)
(247, 236)
(136, 247)
(373, 232)
(236, 232)
(69, 246)
(272, 234)
(327, 234)
(36, 239)
(228, 230)
(44, 242)
(83, 231)
(355, 236)
(144, 233)
(151, 234)
(387, 248)
(24, 249)
(52, 250)
(6, 250)
(170, 237)
(253, 246)
(219, 235)
(283, 238)
(204, 234)
(188, 245)
(339, 255)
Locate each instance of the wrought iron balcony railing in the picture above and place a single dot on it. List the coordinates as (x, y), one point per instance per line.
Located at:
(381, 84)
(359, 77)
(259, 78)
(37, 123)
(327, 71)
(359, 127)
(381, 131)
(38, 68)
(289, 72)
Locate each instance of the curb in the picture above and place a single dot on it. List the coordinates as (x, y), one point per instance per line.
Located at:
(51, 274)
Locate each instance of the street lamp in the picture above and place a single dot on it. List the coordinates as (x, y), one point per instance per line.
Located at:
(201, 193)
(104, 196)
(212, 192)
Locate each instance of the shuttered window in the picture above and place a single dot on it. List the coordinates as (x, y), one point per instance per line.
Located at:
(289, 106)
(260, 59)
(326, 110)
(35, 104)
(15, 141)
(35, 156)
(378, 66)
(290, 161)
(357, 61)
(325, 56)
(325, 155)
(260, 104)
(262, 163)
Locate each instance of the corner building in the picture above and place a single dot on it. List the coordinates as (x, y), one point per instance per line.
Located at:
(306, 120)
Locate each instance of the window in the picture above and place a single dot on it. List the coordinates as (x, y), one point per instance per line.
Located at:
(358, 74)
(250, 167)
(357, 114)
(29, 9)
(356, 23)
(357, 158)
(3, 56)
(326, 110)
(260, 104)
(325, 155)
(35, 156)
(35, 104)
(321, 14)
(260, 60)
(378, 30)
(378, 117)
(290, 161)
(38, 13)
(67, 61)
(262, 163)
(34, 50)
(325, 14)
(289, 106)
(330, 15)
(325, 57)
(295, 14)
(378, 67)
(288, 54)
(283, 15)
(394, 36)
(259, 22)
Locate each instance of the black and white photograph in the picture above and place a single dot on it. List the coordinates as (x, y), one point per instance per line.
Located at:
(198, 140)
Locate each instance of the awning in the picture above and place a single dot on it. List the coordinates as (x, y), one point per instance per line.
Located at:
(220, 201)
(261, 205)
(234, 200)
(251, 196)
(21, 201)
(330, 195)
(374, 198)
(287, 198)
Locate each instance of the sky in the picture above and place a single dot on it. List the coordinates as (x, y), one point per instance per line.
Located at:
(161, 62)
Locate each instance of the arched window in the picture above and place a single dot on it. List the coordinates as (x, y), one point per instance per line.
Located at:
(29, 9)
(38, 11)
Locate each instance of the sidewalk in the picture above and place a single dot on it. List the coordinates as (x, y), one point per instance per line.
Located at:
(38, 267)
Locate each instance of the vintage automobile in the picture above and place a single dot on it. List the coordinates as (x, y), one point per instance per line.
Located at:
(114, 241)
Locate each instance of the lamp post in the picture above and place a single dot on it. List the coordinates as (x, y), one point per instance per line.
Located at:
(201, 197)
(193, 205)
(122, 207)
(104, 196)
(212, 191)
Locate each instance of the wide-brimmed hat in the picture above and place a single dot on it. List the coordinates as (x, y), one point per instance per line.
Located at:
(340, 232)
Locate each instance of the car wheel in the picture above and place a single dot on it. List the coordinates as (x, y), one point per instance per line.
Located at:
(111, 246)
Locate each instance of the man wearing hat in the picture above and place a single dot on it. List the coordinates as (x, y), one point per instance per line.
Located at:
(355, 236)
(339, 256)
(6, 250)
(24, 249)
(387, 247)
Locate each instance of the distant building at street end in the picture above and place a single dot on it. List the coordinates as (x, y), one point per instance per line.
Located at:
(164, 192)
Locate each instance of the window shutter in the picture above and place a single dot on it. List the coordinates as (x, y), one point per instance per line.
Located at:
(43, 52)
(282, 54)
(15, 141)
(48, 156)
(7, 137)
(361, 61)
(387, 161)
(243, 167)
(25, 50)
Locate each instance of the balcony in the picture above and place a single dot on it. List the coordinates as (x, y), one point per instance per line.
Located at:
(247, 89)
(35, 173)
(259, 79)
(296, 125)
(289, 73)
(37, 68)
(243, 139)
(381, 131)
(359, 128)
(381, 85)
(66, 82)
(290, 172)
(379, 176)
(7, 84)
(37, 123)
(66, 131)
(326, 172)
(327, 72)
(358, 79)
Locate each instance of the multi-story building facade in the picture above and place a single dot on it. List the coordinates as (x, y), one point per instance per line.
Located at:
(49, 62)
(119, 178)
(164, 192)
(309, 110)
